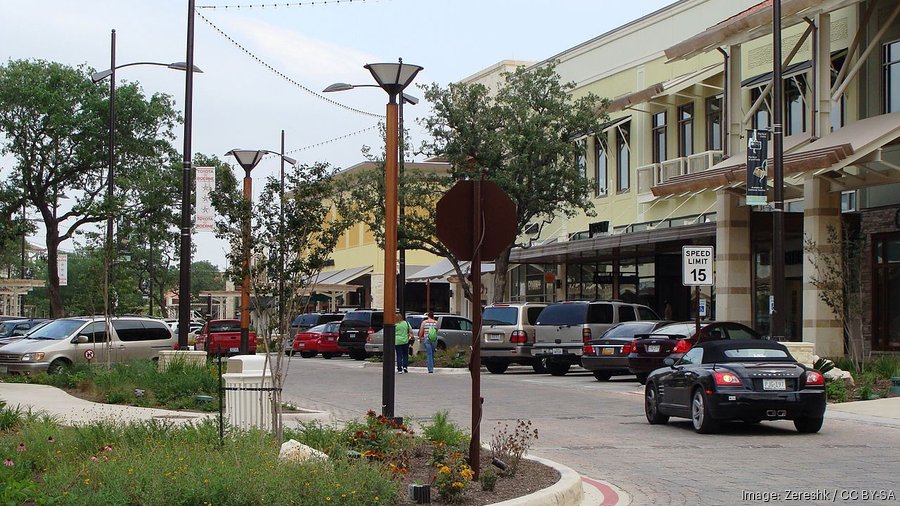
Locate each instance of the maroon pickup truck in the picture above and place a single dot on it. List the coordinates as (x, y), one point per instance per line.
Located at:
(223, 337)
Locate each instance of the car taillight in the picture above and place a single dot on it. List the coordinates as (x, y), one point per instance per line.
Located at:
(814, 378)
(587, 350)
(682, 346)
(518, 336)
(371, 331)
(727, 379)
(629, 347)
(585, 335)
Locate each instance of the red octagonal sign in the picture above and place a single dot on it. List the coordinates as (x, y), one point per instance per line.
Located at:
(455, 224)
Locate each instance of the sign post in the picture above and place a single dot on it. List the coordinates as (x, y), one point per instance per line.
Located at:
(698, 269)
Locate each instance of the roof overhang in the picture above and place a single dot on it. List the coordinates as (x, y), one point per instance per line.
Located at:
(671, 87)
(751, 24)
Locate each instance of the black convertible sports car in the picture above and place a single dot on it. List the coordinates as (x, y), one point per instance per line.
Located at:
(749, 380)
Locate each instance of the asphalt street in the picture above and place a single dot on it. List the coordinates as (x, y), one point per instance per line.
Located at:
(599, 429)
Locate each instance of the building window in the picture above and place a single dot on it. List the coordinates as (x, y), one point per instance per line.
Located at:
(686, 130)
(600, 167)
(623, 151)
(581, 157)
(886, 292)
(714, 123)
(838, 119)
(892, 76)
(761, 118)
(794, 106)
(659, 137)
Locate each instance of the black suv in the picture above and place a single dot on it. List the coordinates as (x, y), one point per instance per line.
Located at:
(355, 329)
(307, 321)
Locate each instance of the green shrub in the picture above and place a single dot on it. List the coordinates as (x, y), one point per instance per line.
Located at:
(836, 390)
(441, 430)
(511, 444)
(10, 418)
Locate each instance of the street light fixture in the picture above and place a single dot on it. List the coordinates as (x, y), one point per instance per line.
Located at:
(110, 176)
(248, 159)
(392, 78)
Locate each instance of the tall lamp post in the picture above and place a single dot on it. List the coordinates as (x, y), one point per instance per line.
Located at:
(392, 78)
(184, 263)
(248, 159)
(96, 77)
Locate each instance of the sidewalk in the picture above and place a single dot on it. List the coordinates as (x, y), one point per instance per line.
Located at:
(572, 489)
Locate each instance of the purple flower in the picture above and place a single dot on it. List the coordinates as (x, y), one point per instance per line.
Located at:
(8, 462)
(21, 447)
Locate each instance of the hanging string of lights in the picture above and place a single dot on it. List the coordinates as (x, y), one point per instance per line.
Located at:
(282, 74)
(323, 143)
(278, 5)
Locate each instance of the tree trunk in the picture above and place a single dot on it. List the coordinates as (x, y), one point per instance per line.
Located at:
(501, 266)
(56, 306)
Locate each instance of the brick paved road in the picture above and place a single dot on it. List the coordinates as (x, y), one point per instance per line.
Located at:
(599, 430)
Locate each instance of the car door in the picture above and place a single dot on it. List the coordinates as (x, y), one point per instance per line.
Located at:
(449, 331)
(129, 342)
(97, 344)
(680, 381)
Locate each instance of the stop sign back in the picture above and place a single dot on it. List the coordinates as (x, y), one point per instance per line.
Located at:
(455, 221)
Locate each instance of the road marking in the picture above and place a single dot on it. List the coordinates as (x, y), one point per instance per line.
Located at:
(610, 496)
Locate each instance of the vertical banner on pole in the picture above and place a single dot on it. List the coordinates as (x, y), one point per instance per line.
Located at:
(62, 268)
(757, 167)
(206, 185)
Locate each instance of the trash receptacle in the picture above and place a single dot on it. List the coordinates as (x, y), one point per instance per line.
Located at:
(248, 392)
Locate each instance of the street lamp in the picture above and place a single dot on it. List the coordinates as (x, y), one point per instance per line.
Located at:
(248, 159)
(96, 77)
(392, 78)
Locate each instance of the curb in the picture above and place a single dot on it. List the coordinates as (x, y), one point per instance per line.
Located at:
(568, 491)
(422, 369)
(601, 493)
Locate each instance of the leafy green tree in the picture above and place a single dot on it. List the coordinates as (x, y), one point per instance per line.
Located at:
(522, 137)
(53, 121)
(205, 276)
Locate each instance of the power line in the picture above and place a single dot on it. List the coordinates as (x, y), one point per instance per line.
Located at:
(277, 5)
(282, 75)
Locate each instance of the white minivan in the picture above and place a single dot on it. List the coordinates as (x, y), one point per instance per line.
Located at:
(67, 341)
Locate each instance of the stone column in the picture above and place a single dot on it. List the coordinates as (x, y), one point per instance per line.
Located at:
(733, 259)
(822, 209)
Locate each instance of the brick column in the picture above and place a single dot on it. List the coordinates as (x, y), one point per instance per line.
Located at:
(822, 208)
(733, 259)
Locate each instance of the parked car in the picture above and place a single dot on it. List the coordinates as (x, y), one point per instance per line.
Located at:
(453, 331)
(18, 336)
(355, 329)
(223, 337)
(749, 380)
(507, 335)
(563, 328)
(17, 328)
(319, 339)
(375, 341)
(66, 341)
(605, 356)
(195, 327)
(647, 351)
(307, 321)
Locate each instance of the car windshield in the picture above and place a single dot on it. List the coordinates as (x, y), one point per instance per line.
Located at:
(755, 353)
(225, 326)
(318, 329)
(305, 320)
(628, 330)
(679, 329)
(57, 329)
(6, 328)
(415, 321)
(563, 314)
(500, 316)
(358, 318)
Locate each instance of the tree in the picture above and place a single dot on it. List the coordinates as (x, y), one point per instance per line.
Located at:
(523, 138)
(53, 120)
(290, 241)
(204, 277)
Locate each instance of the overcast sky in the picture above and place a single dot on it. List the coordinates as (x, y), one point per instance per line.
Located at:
(241, 103)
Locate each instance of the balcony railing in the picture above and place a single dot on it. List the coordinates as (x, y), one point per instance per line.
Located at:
(703, 161)
(646, 176)
(669, 169)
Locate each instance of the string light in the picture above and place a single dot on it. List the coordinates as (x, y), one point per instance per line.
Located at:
(287, 4)
(282, 75)
(329, 141)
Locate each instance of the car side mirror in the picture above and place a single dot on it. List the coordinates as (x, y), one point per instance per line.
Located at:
(669, 361)
(81, 339)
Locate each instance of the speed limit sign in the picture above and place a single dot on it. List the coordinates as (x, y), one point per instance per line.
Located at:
(699, 265)
(89, 354)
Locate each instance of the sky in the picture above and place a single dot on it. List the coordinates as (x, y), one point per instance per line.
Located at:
(265, 62)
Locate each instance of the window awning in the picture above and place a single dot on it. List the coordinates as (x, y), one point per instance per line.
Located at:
(789, 71)
(751, 24)
(670, 87)
(609, 125)
(858, 144)
(443, 269)
(340, 276)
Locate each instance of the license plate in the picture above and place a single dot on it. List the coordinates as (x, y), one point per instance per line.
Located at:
(301, 345)
(3, 369)
(607, 351)
(494, 338)
(653, 348)
(233, 350)
(556, 351)
(773, 384)
(329, 339)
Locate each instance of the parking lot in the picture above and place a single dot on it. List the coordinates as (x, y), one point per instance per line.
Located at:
(599, 429)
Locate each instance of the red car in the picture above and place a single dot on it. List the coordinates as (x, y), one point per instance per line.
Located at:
(319, 339)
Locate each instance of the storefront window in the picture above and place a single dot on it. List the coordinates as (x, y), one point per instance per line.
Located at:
(600, 167)
(886, 292)
(892, 77)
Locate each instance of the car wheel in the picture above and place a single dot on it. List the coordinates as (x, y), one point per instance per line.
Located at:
(497, 367)
(808, 425)
(58, 366)
(558, 368)
(651, 406)
(703, 422)
(307, 354)
(539, 365)
(327, 356)
(602, 376)
(642, 378)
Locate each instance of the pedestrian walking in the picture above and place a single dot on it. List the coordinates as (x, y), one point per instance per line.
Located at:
(402, 335)
(428, 336)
